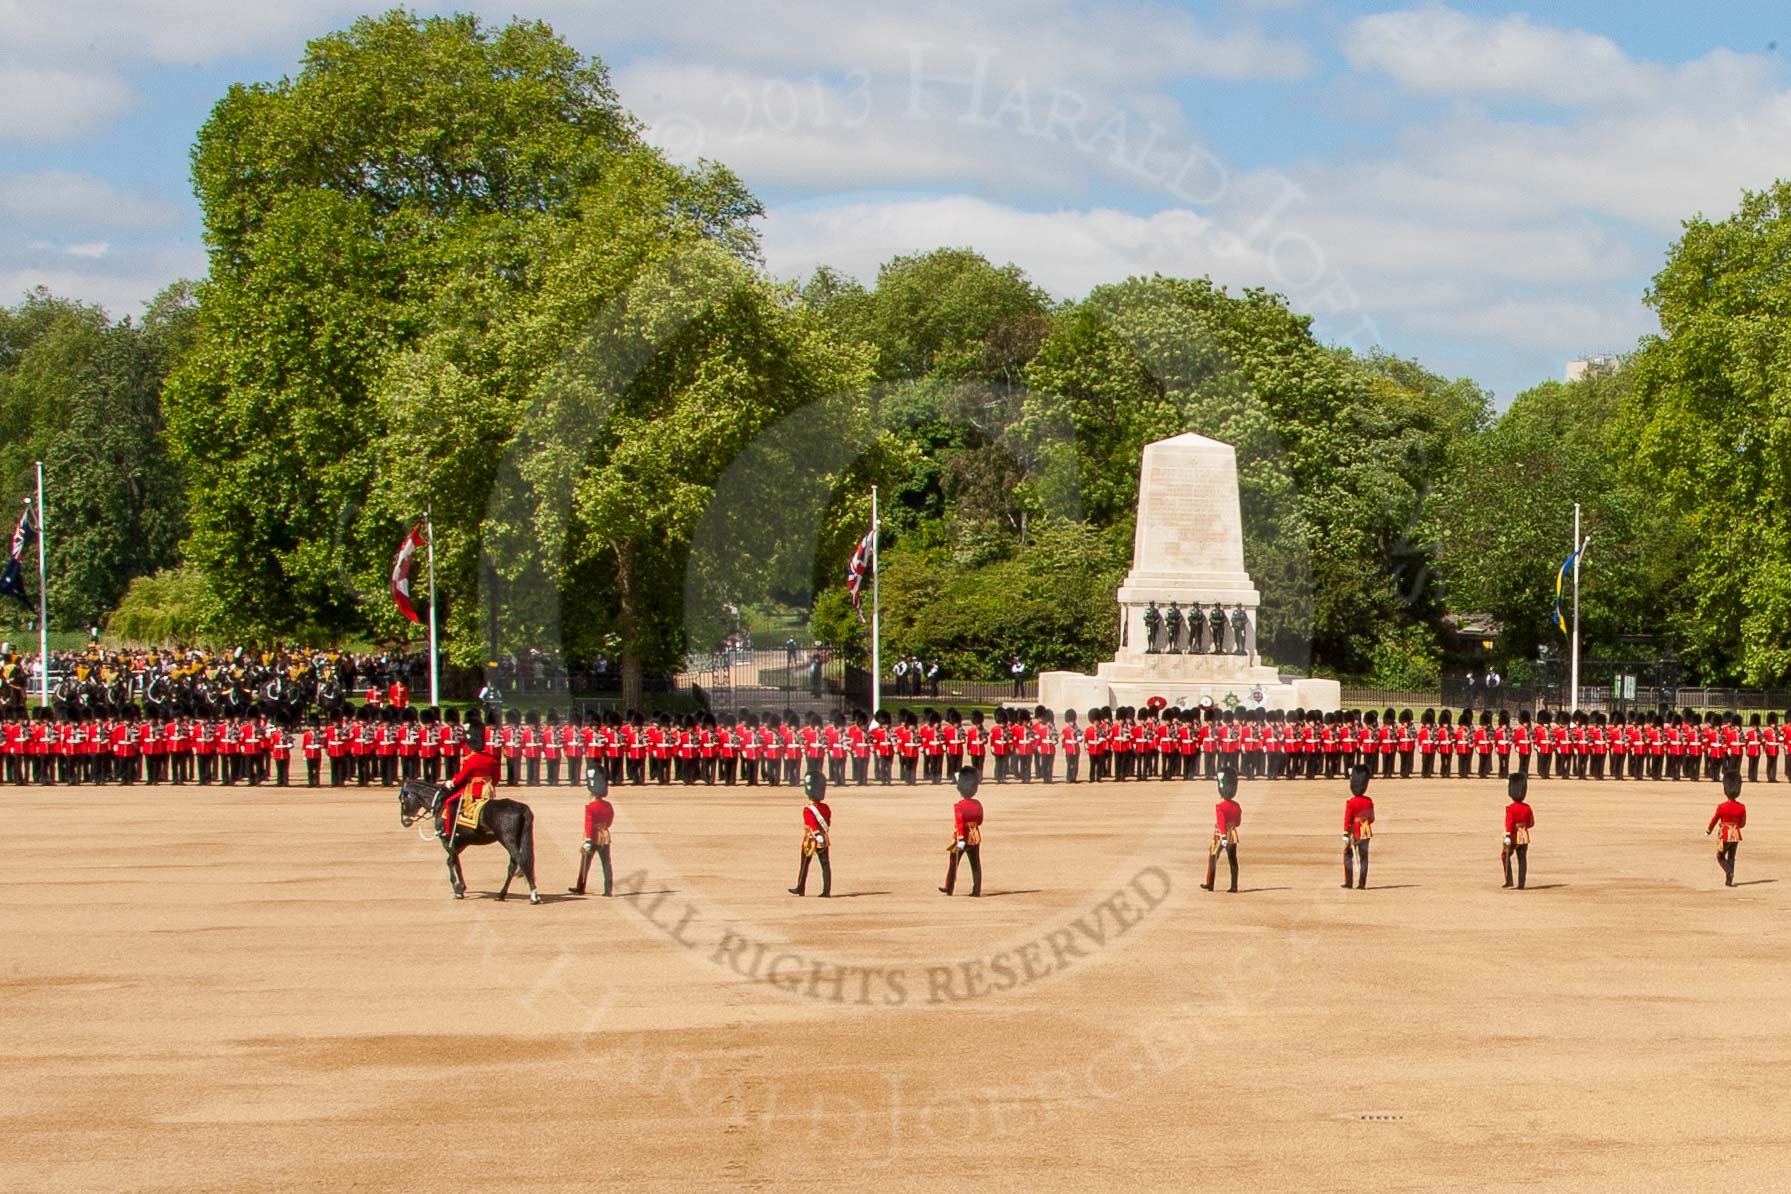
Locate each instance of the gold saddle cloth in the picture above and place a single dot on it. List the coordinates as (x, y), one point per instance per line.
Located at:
(471, 805)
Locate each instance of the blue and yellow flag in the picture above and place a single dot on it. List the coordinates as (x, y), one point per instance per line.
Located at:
(1561, 579)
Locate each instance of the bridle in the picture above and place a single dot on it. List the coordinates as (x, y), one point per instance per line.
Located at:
(426, 809)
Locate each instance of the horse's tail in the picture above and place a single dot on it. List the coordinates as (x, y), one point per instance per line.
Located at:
(525, 846)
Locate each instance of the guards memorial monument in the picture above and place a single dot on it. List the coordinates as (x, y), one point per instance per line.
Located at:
(1187, 609)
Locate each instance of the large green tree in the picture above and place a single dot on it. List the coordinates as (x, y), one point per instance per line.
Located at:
(1503, 521)
(407, 178)
(84, 396)
(47, 345)
(117, 501)
(1710, 430)
(579, 443)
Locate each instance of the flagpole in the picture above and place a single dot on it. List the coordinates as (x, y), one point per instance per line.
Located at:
(435, 681)
(43, 598)
(1574, 691)
(876, 616)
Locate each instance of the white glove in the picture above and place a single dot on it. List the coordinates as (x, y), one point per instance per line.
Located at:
(1508, 839)
(587, 847)
(1346, 839)
(961, 845)
(820, 841)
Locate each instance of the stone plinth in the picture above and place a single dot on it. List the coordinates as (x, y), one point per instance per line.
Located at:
(1188, 548)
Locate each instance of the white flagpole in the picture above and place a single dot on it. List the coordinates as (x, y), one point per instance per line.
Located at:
(876, 615)
(435, 683)
(43, 597)
(1574, 692)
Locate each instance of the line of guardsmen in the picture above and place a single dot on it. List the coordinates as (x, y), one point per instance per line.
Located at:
(384, 745)
(1727, 823)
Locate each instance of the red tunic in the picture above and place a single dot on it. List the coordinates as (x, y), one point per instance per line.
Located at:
(1227, 816)
(965, 813)
(1519, 816)
(599, 814)
(1358, 811)
(479, 770)
(1732, 816)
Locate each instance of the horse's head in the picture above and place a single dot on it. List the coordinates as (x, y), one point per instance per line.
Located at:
(416, 800)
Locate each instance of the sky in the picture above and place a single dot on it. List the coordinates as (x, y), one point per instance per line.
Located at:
(1485, 188)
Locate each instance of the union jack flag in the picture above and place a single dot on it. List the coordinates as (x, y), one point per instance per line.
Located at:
(12, 581)
(859, 570)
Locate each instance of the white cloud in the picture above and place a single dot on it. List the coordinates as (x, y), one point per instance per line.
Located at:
(163, 30)
(1441, 50)
(93, 250)
(1559, 325)
(122, 281)
(47, 103)
(63, 199)
(1055, 41)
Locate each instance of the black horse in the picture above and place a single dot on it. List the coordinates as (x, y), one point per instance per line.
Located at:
(510, 823)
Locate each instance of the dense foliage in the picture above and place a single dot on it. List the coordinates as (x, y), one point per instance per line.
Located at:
(84, 396)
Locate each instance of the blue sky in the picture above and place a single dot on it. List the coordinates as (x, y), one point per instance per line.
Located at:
(1483, 187)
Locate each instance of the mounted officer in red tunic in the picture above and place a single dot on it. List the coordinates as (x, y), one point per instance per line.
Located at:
(477, 777)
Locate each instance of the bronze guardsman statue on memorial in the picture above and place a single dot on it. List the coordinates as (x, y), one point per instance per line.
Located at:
(1215, 621)
(1172, 622)
(1153, 621)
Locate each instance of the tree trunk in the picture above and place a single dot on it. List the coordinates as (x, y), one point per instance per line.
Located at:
(628, 621)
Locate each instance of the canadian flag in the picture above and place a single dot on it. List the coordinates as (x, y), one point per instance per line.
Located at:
(407, 551)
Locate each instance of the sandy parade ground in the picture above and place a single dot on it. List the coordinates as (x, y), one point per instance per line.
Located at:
(272, 989)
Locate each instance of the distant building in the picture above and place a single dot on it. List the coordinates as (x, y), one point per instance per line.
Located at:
(1602, 365)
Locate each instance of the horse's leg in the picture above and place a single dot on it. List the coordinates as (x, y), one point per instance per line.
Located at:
(509, 874)
(456, 882)
(522, 851)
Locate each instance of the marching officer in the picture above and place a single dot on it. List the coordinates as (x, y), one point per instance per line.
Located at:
(817, 834)
(1358, 828)
(967, 833)
(1520, 818)
(1731, 814)
(1227, 816)
(599, 816)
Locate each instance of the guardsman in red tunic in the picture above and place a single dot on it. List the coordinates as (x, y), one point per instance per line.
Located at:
(817, 834)
(478, 775)
(1675, 736)
(599, 816)
(1731, 816)
(1753, 742)
(858, 741)
(967, 833)
(883, 743)
(1408, 741)
(1520, 818)
(1358, 829)
(311, 746)
(1227, 816)
(279, 740)
(1044, 745)
(1427, 743)
(1094, 742)
(833, 738)
(1771, 740)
